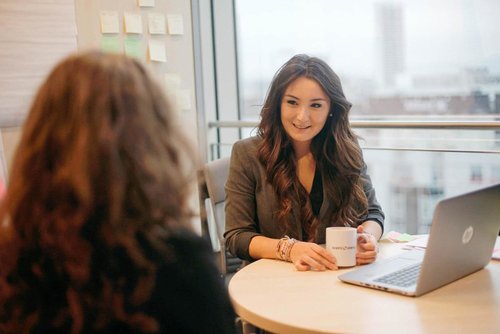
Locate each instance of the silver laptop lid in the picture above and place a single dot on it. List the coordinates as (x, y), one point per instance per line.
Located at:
(462, 236)
(461, 241)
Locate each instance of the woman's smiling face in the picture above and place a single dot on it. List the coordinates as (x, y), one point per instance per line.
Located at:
(304, 110)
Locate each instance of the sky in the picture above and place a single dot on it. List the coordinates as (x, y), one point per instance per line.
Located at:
(441, 36)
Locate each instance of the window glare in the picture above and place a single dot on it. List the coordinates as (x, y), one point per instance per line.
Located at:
(414, 58)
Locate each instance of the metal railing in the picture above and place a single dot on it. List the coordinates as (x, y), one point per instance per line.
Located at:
(377, 124)
(482, 125)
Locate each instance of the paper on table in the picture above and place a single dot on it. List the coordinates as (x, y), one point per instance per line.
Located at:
(419, 242)
(394, 236)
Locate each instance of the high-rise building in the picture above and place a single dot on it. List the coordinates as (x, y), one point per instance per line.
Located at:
(390, 40)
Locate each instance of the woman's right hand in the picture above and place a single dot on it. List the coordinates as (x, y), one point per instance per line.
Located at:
(310, 256)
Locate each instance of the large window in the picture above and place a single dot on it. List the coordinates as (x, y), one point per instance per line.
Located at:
(433, 62)
(395, 58)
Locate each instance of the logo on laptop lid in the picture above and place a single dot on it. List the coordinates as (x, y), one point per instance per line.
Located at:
(469, 231)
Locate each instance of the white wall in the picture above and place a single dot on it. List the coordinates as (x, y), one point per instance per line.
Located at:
(179, 65)
(36, 34)
(179, 48)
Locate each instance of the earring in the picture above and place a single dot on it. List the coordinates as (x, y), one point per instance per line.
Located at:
(331, 115)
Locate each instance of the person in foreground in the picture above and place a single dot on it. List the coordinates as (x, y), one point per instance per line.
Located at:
(303, 172)
(95, 219)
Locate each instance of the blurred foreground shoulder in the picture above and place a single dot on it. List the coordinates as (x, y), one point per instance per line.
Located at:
(190, 296)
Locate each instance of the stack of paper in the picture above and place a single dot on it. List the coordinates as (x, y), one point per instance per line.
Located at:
(418, 243)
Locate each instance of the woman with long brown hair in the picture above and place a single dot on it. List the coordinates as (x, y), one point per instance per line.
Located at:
(95, 219)
(303, 172)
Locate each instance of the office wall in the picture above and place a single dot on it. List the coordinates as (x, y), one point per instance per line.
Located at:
(34, 35)
(176, 74)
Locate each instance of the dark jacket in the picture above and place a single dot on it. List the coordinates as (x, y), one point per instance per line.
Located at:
(251, 203)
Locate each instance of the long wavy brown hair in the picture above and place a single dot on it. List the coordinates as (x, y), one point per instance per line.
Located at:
(99, 164)
(335, 149)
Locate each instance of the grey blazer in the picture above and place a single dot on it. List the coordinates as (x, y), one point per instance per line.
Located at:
(251, 203)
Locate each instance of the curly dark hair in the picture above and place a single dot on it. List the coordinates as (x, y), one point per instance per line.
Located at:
(335, 149)
(100, 165)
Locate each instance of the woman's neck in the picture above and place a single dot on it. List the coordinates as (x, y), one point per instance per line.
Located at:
(302, 149)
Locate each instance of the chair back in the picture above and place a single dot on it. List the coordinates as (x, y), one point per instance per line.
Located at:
(216, 173)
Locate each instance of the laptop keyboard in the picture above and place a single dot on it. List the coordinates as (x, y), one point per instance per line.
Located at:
(404, 277)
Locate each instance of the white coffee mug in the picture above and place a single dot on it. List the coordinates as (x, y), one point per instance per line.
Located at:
(341, 242)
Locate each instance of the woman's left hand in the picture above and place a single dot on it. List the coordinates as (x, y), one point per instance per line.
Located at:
(367, 247)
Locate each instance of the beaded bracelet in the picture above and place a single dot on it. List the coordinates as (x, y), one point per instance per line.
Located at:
(284, 248)
(290, 242)
(278, 248)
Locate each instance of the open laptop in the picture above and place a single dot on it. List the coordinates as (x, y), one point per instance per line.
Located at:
(461, 240)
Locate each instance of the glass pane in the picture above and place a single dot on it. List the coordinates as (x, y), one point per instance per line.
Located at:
(409, 184)
(409, 59)
(431, 139)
